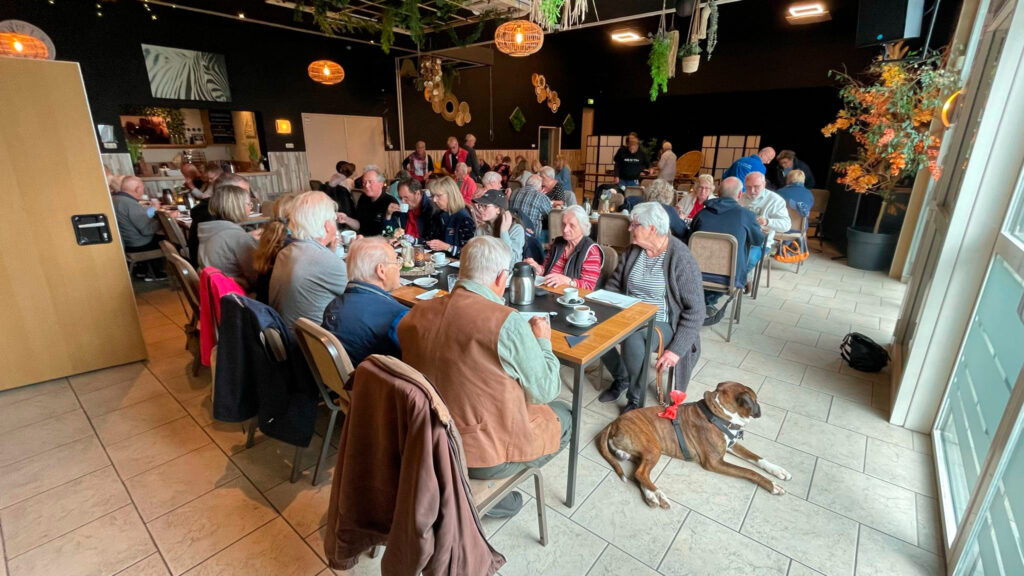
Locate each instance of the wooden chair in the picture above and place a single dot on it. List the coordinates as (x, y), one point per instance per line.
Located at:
(613, 231)
(188, 283)
(634, 191)
(267, 208)
(687, 166)
(315, 185)
(716, 254)
(487, 493)
(821, 196)
(133, 258)
(554, 224)
(331, 368)
(609, 263)
(173, 232)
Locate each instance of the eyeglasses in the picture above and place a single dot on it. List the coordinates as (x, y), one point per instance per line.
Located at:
(633, 225)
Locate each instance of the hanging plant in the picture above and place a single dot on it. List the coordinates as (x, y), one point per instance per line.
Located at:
(712, 31)
(387, 30)
(551, 12)
(329, 18)
(658, 61)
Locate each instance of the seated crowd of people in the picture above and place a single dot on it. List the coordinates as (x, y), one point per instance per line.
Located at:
(495, 370)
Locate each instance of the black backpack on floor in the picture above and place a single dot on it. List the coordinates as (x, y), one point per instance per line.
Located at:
(863, 353)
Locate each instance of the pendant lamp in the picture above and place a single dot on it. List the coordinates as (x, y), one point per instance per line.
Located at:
(519, 38)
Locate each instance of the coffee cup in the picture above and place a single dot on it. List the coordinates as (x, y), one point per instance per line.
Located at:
(582, 314)
(570, 294)
(403, 207)
(347, 236)
(439, 257)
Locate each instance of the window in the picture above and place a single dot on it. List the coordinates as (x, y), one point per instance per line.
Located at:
(721, 151)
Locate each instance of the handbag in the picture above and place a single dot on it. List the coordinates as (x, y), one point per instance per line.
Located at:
(863, 353)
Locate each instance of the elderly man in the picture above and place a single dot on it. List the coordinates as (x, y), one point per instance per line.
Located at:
(667, 163)
(453, 154)
(366, 316)
(725, 215)
(560, 197)
(496, 372)
(749, 164)
(630, 162)
(201, 212)
(467, 186)
(531, 203)
(471, 160)
(307, 274)
(419, 164)
(375, 209)
(785, 163)
(417, 221)
(490, 181)
(770, 210)
(136, 223)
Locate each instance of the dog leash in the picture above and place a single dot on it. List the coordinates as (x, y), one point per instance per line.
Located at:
(661, 350)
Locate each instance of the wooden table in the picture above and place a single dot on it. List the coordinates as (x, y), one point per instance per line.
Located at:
(603, 337)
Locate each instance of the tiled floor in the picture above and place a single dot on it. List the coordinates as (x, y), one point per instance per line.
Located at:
(123, 471)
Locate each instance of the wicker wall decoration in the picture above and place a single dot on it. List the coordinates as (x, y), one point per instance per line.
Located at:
(544, 92)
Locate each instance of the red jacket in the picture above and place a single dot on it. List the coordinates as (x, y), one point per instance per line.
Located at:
(449, 161)
(212, 285)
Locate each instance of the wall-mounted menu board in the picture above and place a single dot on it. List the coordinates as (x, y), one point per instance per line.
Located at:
(222, 128)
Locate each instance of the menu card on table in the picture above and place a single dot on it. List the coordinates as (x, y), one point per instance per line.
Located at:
(612, 298)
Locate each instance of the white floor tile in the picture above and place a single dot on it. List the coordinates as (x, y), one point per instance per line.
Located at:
(881, 555)
(868, 421)
(900, 466)
(823, 440)
(868, 500)
(795, 398)
(706, 547)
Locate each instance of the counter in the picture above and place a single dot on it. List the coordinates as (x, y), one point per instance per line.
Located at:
(266, 185)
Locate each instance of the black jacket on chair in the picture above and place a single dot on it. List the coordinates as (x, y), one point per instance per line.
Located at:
(252, 379)
(776, 179)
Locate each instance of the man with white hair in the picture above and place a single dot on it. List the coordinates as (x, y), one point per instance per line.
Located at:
(770, 209)
(667, 163)
(531, 203)
(490, 181)
(753, 163)
(307, 273)
(495, 371)
(374, 210)
(471, 160)
(560, 197)
(364, 318)
(137, 223)
(467, 186)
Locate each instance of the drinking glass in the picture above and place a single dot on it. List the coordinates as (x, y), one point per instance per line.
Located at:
(452, 279)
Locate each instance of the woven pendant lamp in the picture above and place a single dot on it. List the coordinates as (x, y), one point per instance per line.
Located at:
(519, 38)
(326, 72)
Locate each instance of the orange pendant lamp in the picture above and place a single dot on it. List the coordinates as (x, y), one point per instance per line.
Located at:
(519, 38)
(326, 72)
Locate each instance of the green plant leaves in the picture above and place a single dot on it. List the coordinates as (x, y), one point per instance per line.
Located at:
(569, 125)
(518, 119)
(658, 61)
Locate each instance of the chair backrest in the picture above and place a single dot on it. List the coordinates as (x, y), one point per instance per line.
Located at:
(797, 220)
(608, 265)
(820, 200)
(515, 185)
(715, 253)
(613, 230)
(356, 195)
(688, 164)
(555, 223)
(173, 232)
(327, 359)
(187, 278)
(315, 185)
(634, 191)
(267, 208)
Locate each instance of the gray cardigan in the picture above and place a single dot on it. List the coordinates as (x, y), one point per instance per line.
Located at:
(228, 247)
(684, 296)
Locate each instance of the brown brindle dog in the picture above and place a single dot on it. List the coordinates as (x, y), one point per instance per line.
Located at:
(641, 435)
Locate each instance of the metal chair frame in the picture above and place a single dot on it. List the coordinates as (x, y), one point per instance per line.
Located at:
(729, 289)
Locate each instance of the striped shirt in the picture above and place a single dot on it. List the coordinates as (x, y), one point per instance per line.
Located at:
(591, 267)
(647, 282)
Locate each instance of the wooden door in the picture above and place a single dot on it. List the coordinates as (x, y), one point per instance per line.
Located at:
(333, 137)
(67, 308)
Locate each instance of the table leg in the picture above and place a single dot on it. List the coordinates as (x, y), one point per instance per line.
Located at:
(574, 440)
(646, 370)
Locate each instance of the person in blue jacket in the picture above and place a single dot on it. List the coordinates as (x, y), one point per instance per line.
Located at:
(365, 317)
(725, 215)
(747, 164)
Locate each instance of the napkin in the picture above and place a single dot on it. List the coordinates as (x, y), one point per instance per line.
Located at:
(574, 340)
(428, 295)
(404, 282)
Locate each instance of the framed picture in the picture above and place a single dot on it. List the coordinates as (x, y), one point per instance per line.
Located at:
(182, 74)
(151, 129)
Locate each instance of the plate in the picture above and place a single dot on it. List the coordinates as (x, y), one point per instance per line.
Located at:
(580, 324)
(561, 300)
(442, 264)
(425, 282)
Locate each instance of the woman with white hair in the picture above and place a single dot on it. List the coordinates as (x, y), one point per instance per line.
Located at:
(693, 202)
(663, 193)
(660, 270)
(467, 186)
(307, 273)
(574, 259)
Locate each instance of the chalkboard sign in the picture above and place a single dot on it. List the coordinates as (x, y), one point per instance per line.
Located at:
(222, 128)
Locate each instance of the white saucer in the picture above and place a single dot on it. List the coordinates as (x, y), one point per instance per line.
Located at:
(425, 282)
(581, 324)
(442, 264)
(561, 300)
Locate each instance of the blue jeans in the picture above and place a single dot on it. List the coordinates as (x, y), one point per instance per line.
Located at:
(753, 257)
(628, 182)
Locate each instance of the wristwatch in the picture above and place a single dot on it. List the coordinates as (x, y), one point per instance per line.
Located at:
(572, 283)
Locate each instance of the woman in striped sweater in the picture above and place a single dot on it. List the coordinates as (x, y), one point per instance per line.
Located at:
(574, 259)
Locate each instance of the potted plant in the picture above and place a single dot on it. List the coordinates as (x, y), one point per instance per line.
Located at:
(889, 113)
(254, 157)
(134, 146)
(690, 55)
(661, 46)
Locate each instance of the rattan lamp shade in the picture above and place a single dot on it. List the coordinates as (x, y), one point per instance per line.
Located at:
(326, 72)
(23, 46)
(519, 38)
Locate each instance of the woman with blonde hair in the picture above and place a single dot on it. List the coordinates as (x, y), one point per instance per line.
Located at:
(223, 243)
(563, 173)
(452, 225)
(274, 238)
(693, 202)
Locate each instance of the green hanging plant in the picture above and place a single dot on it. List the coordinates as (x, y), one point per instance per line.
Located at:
(449, 74)
(569, 125)
(551, 12)
(470, 38)
(658, 61)
(518, 119)
(328, 16)
(712, 32)
(387, 30)
(134, 145)
(691, 49)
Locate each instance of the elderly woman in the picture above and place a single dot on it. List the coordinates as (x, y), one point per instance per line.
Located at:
(661, 191)
(574, 259)
(694, 202)
(223, 243)
(660, 270)
(308, 275)
(493, 218)
(467, 186)
(452, 225)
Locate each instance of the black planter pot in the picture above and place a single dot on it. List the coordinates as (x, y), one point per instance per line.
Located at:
(866, 250)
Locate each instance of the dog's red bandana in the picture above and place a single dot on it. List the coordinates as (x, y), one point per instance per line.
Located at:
(670, 411)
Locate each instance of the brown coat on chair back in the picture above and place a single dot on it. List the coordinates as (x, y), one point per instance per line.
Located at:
(401, 481)
(453, 341)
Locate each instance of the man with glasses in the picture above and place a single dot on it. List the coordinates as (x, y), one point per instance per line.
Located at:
(374, 210)
(770, 209)
(365, 316)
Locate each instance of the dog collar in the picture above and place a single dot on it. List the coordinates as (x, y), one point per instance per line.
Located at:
(733, 434)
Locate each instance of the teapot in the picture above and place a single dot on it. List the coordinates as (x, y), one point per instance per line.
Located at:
(521, 288)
